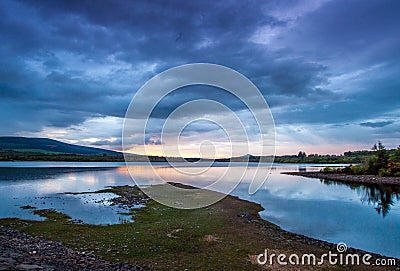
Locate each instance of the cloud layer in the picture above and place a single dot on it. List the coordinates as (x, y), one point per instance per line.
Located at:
(328, 69)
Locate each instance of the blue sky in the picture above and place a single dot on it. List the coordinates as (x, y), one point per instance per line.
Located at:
(330, 70)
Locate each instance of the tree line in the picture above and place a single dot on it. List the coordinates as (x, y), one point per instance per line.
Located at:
(382, 162)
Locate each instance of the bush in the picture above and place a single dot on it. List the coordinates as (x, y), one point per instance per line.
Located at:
(328, 170)
(358, 170)
(345, 170)
(393, 169)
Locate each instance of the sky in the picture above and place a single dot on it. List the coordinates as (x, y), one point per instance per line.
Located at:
(329, 70)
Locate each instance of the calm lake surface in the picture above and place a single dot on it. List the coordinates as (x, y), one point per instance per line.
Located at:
(365, 217)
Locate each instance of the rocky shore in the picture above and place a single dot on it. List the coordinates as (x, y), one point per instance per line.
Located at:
(20, 251)
(360, 179)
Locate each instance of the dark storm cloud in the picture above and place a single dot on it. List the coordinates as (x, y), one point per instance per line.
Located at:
(197, 92)
(63, 62)
(377, 124)
(350, 30)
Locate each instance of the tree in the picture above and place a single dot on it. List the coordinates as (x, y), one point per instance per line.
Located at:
(379, 163)
(301, 155)
(378, 147)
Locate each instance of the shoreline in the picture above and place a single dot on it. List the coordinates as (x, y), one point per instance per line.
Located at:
(22, 251)
(226, 236)
(345, 178)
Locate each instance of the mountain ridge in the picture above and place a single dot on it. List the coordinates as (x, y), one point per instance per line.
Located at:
(39, 145)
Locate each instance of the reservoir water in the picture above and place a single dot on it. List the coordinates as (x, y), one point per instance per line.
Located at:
(365, 217)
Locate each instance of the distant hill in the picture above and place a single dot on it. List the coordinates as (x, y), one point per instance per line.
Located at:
(48, 146)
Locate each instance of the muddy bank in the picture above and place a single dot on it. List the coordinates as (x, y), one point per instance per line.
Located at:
(360, 179)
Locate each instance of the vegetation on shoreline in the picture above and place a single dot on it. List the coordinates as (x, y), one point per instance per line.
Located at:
(21, 156)
(30, 156)
(385, 163)
(347, 158)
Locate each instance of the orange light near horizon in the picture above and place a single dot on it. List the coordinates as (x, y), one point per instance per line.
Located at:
(157, 151)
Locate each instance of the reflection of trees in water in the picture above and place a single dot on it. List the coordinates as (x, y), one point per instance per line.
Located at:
(382, 197)
(39, 173)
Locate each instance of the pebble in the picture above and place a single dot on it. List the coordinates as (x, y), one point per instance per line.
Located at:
(21, 251)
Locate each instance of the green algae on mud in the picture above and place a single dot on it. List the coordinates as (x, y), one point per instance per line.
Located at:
(227, 235)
